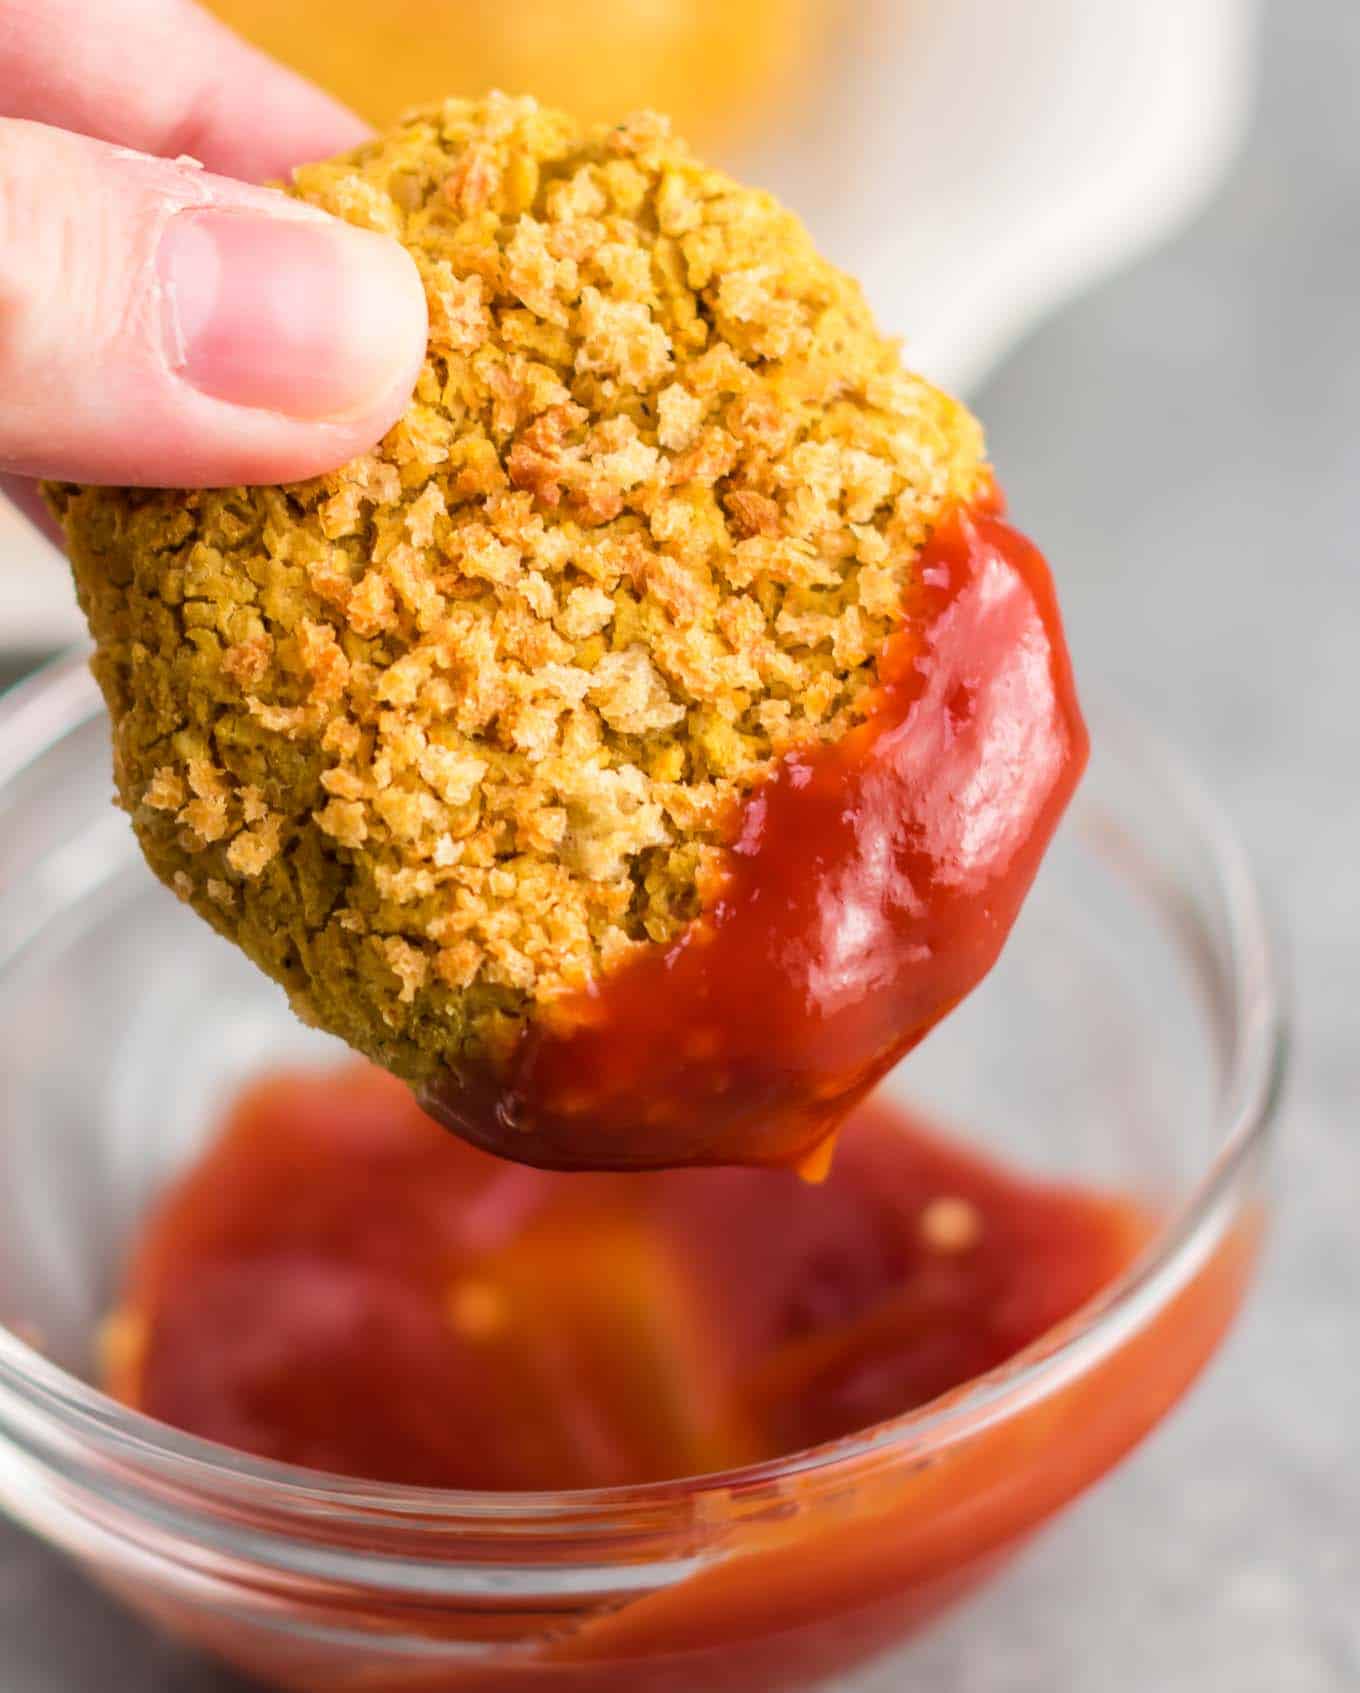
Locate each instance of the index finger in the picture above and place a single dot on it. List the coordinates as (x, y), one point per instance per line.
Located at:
(164, 77)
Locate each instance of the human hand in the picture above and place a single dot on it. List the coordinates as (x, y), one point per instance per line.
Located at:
(161, 324)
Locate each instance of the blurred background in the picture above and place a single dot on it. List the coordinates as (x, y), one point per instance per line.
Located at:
(1132, 235)
(974, 163)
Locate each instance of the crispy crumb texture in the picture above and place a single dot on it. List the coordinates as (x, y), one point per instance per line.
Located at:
(447, 734)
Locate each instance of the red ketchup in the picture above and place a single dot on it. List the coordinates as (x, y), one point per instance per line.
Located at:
(872, 885)
(340, 1284)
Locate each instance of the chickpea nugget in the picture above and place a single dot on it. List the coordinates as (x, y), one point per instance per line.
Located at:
(447, 739)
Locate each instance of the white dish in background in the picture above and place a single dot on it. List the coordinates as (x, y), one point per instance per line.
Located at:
(1025, 147)
(1028, 147)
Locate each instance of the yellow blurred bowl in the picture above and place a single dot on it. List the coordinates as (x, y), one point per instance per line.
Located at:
(715, 66)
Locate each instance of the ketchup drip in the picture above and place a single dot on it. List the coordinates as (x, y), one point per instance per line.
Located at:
(872, 884)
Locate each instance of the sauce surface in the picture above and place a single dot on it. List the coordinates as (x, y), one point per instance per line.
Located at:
(339, 1284)
(873, 883)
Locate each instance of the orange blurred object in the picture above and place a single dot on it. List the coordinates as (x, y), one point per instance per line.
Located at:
(715, 66)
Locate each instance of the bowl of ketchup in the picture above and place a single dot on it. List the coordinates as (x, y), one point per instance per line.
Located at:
(353, 1405)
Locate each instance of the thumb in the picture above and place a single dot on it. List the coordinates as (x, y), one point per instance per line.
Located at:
(160, 325)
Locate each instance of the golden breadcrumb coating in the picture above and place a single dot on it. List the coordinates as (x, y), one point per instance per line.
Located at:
(446, 734)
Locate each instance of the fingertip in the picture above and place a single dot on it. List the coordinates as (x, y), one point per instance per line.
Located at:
(388, 332)
(310, 318)
(386, 342)
(169, 328)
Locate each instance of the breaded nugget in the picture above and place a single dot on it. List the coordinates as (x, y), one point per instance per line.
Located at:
(461, 728)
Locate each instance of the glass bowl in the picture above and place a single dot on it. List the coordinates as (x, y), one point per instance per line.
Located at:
(1131, 1038)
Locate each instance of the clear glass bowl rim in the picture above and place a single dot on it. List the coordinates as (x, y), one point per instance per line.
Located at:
(61, 697)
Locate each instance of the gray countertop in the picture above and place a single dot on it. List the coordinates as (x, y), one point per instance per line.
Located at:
(1187, 443)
